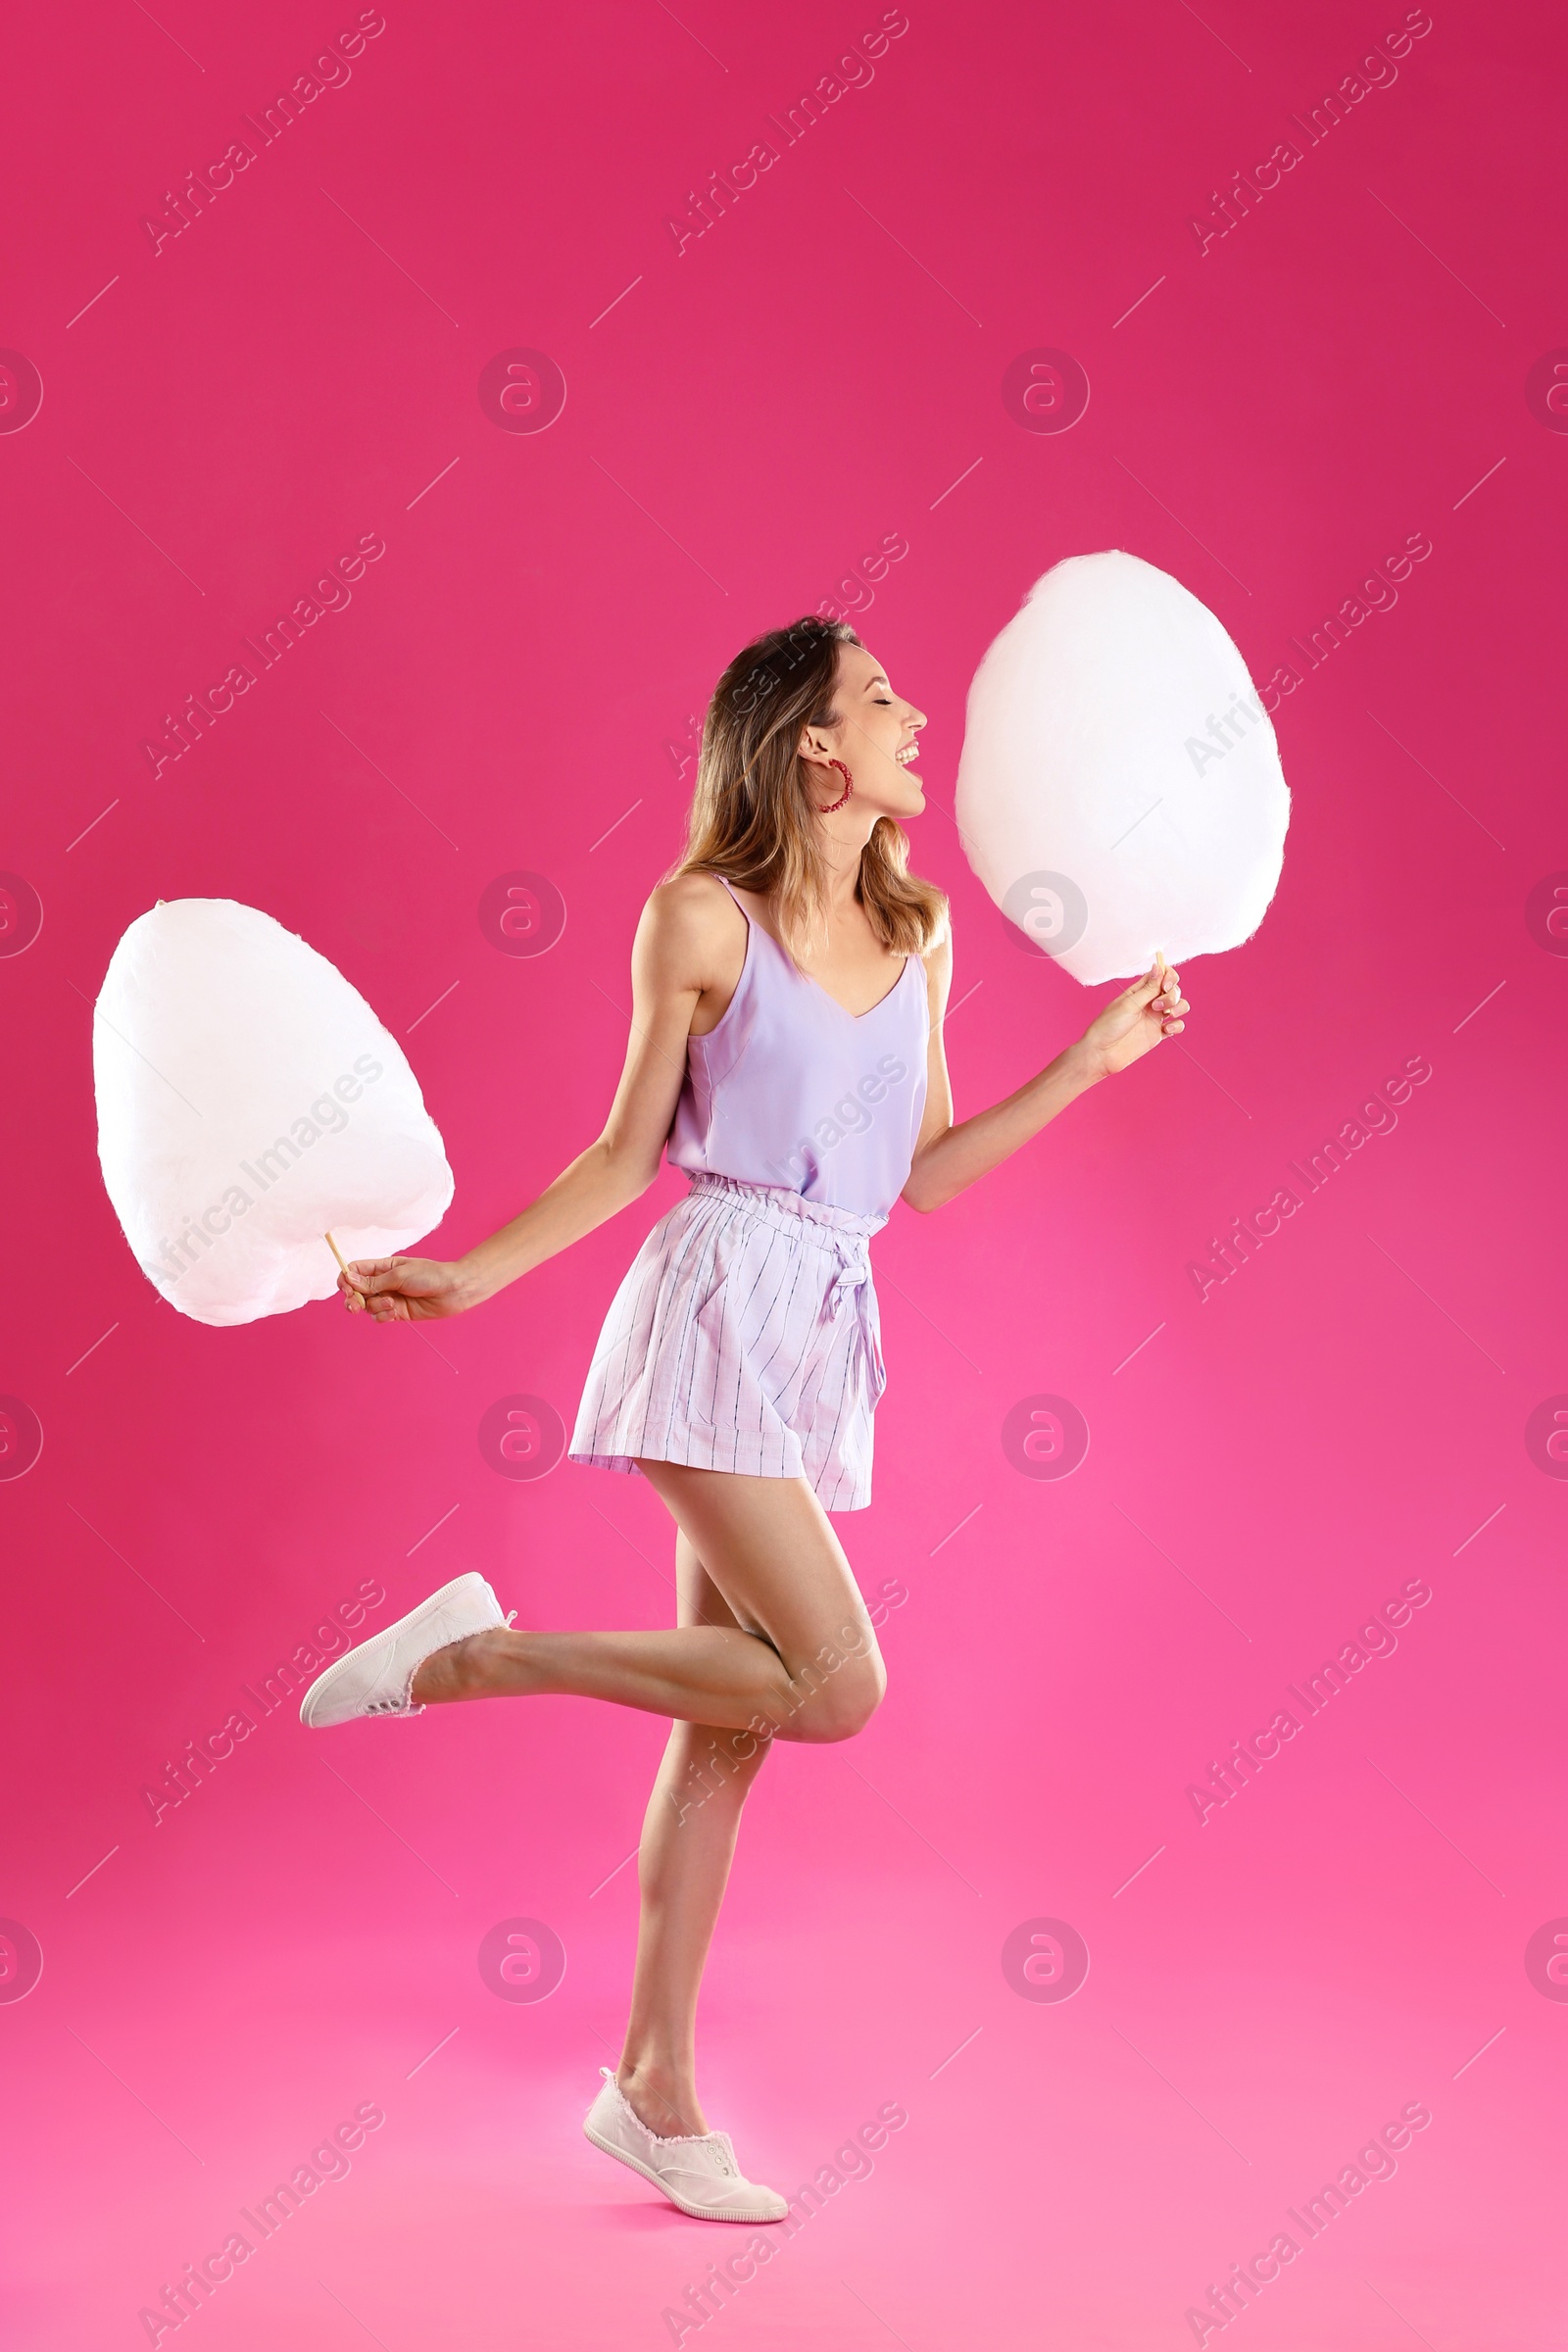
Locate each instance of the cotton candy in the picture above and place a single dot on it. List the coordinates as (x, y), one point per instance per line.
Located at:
(249, 1100)
(1119, 790)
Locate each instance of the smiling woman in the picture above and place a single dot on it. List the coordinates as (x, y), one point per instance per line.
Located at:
(754, 816)
(789, 981)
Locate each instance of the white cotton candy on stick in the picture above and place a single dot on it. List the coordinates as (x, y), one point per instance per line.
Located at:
(248, 1101)
(1121, 790)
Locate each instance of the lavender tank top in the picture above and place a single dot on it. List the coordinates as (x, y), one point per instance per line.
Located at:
(792, 1091)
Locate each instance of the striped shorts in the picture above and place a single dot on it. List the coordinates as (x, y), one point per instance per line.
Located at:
(745, 1337)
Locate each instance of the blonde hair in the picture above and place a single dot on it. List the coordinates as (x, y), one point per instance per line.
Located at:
(753, 818)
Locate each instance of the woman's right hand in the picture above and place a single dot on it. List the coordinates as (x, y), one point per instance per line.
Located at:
(403, 1290)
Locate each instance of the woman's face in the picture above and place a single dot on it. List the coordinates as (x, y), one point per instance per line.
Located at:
(874, 735)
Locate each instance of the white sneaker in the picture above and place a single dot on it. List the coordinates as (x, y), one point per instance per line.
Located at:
(697, 2171)
(377, 1678)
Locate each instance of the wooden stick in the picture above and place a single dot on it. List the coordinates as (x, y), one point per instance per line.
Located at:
(356, 1299)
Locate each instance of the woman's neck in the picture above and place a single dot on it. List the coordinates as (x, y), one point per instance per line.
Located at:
(841, 862)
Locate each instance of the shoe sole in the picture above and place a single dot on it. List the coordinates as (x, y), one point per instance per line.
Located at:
(327, 1681)
(698, 2213)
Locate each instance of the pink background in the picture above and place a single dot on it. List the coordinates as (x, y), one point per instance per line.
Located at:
(745, 419)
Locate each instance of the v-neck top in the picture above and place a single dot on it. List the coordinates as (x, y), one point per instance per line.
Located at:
(791, 1090)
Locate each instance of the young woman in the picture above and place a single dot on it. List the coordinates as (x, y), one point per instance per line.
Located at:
(789, 987)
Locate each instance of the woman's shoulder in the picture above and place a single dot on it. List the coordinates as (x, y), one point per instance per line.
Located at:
(694, 900)
(689, 919)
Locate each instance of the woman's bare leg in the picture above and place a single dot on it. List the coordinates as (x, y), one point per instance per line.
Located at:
(799, 1659)
(683, 1866)
(774, 1641)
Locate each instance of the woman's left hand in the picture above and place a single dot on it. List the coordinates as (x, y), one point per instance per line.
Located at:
(1137, 1019)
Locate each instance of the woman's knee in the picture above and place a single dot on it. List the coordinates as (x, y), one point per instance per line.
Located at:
(860, 1700)
(839, 1702)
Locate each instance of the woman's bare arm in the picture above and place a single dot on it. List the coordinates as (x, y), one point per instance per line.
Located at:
(949, 1158)
(686, 946)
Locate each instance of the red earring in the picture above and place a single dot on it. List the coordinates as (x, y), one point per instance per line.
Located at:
(848, 787)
